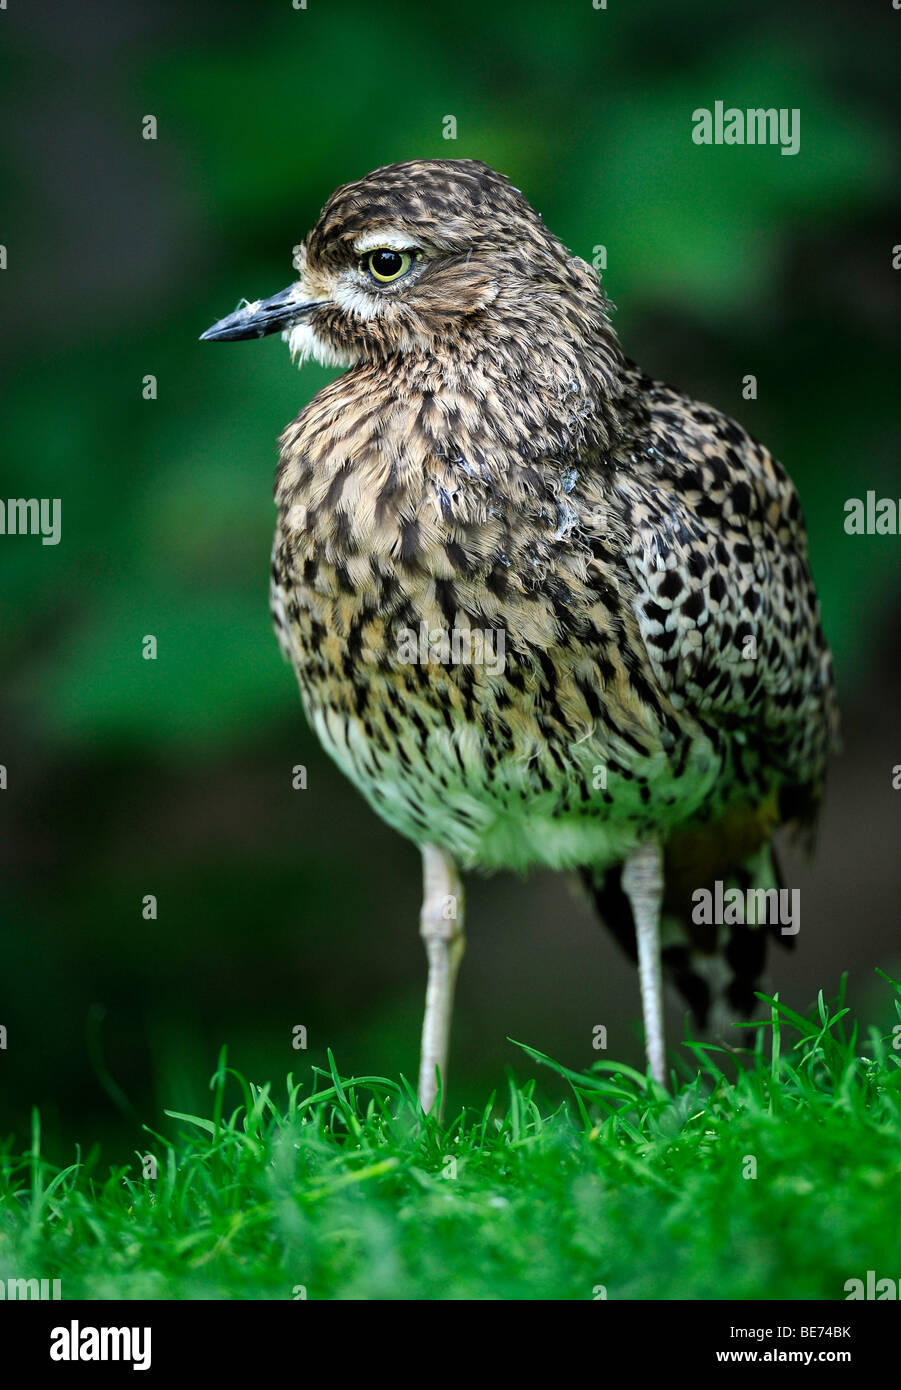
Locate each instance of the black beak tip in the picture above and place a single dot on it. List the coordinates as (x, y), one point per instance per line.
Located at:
(261, 318)
(212, 334)
(230, 329)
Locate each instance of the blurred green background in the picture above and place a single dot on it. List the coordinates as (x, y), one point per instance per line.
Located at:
(172, 777)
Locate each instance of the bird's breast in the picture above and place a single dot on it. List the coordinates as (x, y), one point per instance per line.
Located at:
(470, 659)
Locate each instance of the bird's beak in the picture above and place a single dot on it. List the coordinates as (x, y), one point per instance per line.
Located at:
(264, 316)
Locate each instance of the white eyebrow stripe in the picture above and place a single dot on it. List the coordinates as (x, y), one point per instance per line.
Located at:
(390, 237)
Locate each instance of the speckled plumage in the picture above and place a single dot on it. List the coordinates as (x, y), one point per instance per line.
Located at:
(491, 460)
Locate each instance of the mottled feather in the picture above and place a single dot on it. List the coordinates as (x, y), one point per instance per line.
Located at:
(492, 460)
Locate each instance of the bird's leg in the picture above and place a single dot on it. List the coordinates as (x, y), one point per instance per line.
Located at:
(642, 882)
(441, 928)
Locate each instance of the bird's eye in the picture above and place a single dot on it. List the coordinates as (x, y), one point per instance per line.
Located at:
(385, 265)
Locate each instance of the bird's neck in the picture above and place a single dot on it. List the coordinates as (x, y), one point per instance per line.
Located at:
(474, 416)
(546, 393)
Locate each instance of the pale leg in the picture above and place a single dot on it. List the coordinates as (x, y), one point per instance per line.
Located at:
(642, 882)
(441, 928)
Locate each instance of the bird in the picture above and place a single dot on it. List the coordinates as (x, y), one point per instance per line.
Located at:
(544, 610)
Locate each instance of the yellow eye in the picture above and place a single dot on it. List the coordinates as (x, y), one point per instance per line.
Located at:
(385, 265)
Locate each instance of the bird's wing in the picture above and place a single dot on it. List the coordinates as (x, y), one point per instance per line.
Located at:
(725, 602)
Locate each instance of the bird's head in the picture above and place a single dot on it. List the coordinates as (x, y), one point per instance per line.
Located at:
(423, 257)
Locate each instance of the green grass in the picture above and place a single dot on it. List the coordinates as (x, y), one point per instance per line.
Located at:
(346, 1190)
